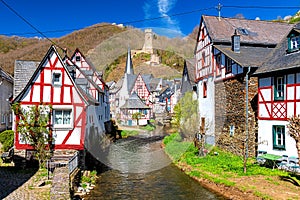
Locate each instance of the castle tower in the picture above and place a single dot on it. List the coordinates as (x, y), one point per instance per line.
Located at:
(148, 47)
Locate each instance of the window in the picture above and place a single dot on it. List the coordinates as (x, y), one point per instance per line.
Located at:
(3, 119)
(231, 130)
(228, 65)
(73, 74)
(56, 78)
(203, 59)
(294, 43)
(62, 118)
(204, 89)
(278, 137)
(218, 64)
(279, 88)
(77, 58)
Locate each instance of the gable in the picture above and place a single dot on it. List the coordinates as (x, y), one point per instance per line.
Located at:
(51, 83)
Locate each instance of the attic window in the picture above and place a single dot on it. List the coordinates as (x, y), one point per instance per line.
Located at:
(77, 58)
(56, 78)
(243, 31)
(293, 43)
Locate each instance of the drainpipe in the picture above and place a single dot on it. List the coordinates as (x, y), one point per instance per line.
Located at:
(247, 115)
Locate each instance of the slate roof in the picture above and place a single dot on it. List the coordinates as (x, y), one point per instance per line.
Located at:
(154, 84)
(23, 72)
(191, 67)
(130, 80)
(6, 76)
(189, 70)
(147, 79)
(249, 55)
(279, 59)
(259, 32)
(134, 102)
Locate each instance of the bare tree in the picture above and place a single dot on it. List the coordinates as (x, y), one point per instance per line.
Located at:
(294, 131)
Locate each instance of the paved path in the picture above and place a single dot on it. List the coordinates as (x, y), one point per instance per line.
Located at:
(17, 184)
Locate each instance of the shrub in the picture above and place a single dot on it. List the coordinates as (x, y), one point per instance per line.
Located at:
(7, 139)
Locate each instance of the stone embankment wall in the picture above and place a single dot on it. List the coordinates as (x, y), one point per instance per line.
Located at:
(230, 105)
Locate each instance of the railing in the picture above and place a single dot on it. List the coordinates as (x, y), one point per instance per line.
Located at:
(73, 162)
(63, 161)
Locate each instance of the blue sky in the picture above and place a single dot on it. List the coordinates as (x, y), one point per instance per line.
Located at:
(59, 17)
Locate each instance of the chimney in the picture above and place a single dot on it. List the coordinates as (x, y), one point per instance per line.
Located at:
(235, 42)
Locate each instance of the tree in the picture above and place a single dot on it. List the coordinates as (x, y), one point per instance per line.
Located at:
(186, 117)
(294, 131)
(34, 129)
(136, 116)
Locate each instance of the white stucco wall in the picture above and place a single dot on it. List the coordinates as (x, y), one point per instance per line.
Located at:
(207, 105)
(265, 138)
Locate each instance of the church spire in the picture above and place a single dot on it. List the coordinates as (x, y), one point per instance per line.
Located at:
(129, 66)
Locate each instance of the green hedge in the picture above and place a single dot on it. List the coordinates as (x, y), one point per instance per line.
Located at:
(7, 139)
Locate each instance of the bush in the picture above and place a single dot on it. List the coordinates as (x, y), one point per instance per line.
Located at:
(7, 140)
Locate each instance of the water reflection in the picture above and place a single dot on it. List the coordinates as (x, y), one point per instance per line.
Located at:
(166, 183)
(141, 170)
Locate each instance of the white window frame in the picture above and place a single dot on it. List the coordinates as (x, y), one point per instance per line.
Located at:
(61, 125)
(279, 137)
(279, 88)
(295, 42)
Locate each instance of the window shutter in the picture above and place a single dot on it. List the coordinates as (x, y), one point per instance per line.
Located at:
(274, 136)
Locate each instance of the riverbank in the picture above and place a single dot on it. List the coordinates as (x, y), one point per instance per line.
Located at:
(222, 173)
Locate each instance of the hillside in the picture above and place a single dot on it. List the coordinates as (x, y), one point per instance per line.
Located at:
(18, 48)
(110, 55)
(171, 66)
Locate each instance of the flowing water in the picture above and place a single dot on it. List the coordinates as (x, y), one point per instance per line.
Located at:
(139, 169)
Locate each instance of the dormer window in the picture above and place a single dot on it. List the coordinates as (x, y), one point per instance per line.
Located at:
(293, 43)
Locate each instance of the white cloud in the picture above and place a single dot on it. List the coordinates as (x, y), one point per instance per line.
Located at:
(163, 8)
(146, 9)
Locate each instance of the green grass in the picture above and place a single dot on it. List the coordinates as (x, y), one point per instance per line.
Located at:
(148, 127)
(127, 133)
(218, 167)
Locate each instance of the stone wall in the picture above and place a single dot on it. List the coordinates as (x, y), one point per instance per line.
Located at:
(230, 110)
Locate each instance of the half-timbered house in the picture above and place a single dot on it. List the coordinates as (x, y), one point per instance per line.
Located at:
(6, 90)
(129, 84)
(134, 104)
(279, 96)
(89, 70)
(227, 51)
(75, 122)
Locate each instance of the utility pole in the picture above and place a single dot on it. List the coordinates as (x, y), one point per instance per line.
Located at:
(247, 115)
